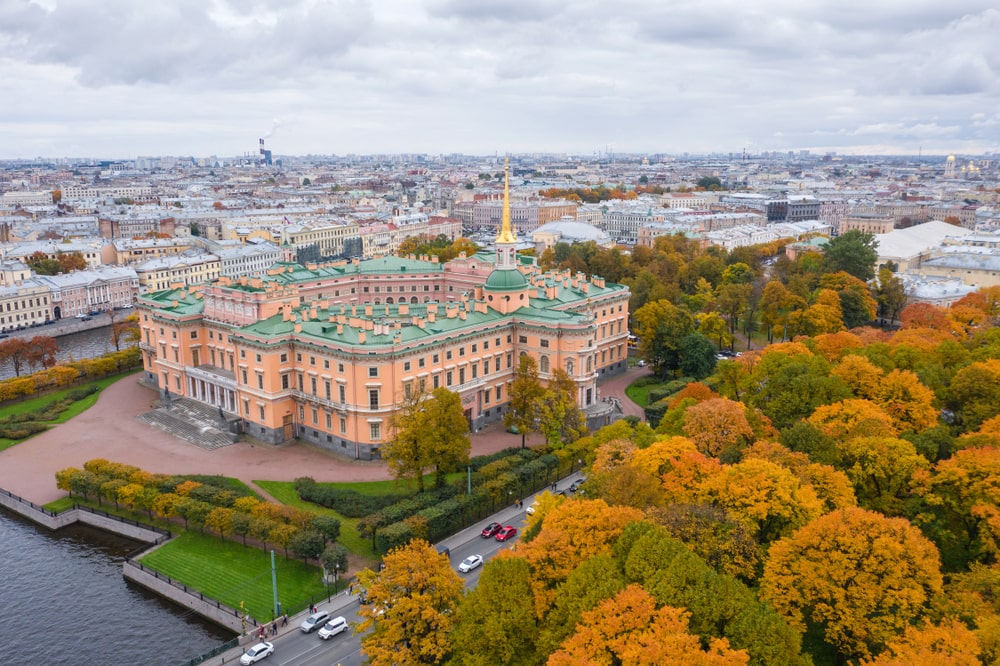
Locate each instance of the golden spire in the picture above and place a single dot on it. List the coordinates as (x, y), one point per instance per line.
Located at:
(506, 234)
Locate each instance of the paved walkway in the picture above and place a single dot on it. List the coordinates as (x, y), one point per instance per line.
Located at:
(110, 430)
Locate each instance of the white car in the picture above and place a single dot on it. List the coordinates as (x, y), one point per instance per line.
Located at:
(333, 627)
(531, 509)
(470, 563)
(314, 621)
(256, 653)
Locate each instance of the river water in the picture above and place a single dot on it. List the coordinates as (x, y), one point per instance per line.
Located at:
(74, 346)
(63, 600)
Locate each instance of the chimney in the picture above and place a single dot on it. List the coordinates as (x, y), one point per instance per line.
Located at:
(340, 329)
(297, 327)
(361, 337)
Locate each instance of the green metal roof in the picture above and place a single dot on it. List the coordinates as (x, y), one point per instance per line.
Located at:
(506, 280)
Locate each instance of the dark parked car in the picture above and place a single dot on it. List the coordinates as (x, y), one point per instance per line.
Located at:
(491, 530)
(575, 486)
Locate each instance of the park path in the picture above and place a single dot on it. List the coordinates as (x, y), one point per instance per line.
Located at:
(110, 430)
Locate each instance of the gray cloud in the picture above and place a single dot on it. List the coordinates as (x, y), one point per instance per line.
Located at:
(119, 77)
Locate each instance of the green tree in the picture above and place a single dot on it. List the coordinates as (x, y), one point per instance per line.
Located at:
(411, 609)
(661, 327)
(525, 396)
(429, 432)
(496, 623)
(307, 544)
(890, 294)
(328, 526)
(562, 420)
(853, 252)
(697, 356)
(334, 558)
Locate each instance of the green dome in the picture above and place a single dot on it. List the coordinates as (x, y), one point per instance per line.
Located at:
(506, 280)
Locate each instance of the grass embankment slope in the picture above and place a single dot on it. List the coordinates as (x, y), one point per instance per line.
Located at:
(231, 573)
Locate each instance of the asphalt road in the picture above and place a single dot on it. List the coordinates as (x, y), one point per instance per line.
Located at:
(344, 649)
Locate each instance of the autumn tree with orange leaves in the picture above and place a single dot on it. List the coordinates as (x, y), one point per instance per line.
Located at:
(629, 629)
(856, 576)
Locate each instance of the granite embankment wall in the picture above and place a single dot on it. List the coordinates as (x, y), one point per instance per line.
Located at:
(132, 569)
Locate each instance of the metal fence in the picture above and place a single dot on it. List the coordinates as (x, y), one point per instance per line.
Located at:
(225, 647)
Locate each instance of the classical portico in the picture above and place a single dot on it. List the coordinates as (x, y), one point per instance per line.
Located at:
(213, 386)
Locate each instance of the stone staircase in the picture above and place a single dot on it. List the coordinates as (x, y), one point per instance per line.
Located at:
(191, 421)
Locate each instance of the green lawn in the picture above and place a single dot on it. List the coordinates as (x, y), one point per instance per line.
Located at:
(230, 573)
(39, 402)
(639, 394)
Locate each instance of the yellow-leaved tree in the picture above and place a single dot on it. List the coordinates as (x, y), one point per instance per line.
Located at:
(856, 576)
(413, 598)
(628, 629)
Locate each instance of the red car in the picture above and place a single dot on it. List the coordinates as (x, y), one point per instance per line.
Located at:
(506, 533)
(491, 530)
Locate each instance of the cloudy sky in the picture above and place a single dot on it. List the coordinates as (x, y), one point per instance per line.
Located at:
(122, 78)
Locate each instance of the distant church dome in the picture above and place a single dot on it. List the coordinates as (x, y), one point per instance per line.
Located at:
(571, 231)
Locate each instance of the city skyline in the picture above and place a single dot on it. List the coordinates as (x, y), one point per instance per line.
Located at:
(121, 79)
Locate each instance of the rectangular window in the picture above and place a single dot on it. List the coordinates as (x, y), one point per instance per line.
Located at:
(243, 353)
(522, 339)
(258, 358)
(315, 417)
(447, 378)
(243, 374)
(298, 357)
(329, 420)
(326, 364)
(406, 366)
(437, 381)
(299, 376)
(544, 343)
(312, 360)
(340, 368)
(475, 348)
(246, 407)
(343, 425)
(260, 381)
(312, 385)
(284, 380)
(420, 362)
(284, 357)
(486, 345)
(447, 355)
(461, 351)
(261, 408)
(194, 335)
(376, 431)
(486, 366)
(326, 388)
(373, 398)
(461, 375)
(342, 393)
(436, 359)
(499, 392)
(373, 371)
(475, 370)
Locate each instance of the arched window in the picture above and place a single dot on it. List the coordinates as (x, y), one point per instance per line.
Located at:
(389, 300)
(413, 299)
(543, 364)
(569, 367)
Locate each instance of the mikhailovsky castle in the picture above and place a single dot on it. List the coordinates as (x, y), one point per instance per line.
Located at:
(327, 352)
